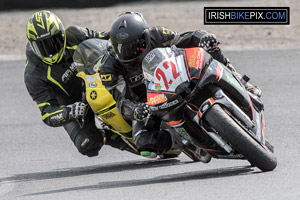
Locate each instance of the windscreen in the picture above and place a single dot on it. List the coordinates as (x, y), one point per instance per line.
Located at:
(88, 53)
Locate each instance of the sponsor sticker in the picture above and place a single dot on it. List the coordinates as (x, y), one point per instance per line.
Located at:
(122, 35)
(151, 86)
(234, 82)
(167, 105)
(93, 95)
(106, 77)
(157, 86)
(108, 115)
(194, 57)
(90, 78)
(92, 85)
(149, 57)
(165, 31)
(154, 98)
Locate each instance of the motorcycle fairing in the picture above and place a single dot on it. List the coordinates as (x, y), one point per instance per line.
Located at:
(221, 98)
(230, 94)
(217, 73)
(103, 104)
(165, 69)
(167, 63)
(194, 60)
(162, 76)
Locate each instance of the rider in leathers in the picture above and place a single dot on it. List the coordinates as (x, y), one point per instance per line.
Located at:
(50, 78)
(121, 72)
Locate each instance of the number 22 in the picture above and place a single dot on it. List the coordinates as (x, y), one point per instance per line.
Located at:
(161, 75)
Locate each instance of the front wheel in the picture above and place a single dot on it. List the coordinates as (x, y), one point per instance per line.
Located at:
(240, 140)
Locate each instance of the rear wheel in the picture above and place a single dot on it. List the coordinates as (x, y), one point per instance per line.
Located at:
(241, 141)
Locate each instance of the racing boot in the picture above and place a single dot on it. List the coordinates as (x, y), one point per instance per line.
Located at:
(245, 81)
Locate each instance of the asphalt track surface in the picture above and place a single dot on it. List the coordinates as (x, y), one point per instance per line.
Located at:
(40, 162)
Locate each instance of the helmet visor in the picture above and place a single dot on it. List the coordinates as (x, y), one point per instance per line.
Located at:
(50, 46)
(127, 52)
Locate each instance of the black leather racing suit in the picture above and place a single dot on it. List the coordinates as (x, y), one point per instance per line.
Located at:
(53, 87)
(126, 84)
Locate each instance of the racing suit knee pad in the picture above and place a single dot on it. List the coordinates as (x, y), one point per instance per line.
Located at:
(88, 140)
(89, 145)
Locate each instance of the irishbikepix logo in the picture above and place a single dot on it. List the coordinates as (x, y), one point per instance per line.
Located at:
(247, 15)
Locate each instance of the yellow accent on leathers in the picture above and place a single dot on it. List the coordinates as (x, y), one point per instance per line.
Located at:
(103, 104)
(72, 47)
(49, 114)
(43, 104)
(49, 77)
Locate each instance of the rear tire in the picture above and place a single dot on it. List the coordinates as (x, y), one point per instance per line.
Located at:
(240, 140)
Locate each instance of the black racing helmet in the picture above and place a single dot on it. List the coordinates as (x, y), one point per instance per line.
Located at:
(130, 37)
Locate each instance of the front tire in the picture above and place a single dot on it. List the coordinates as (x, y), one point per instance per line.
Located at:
(240, 140)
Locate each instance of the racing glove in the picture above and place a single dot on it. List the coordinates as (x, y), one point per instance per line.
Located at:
(209, 42)
(141, 111)
(78, 110)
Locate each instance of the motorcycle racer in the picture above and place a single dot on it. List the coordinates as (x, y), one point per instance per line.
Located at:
(122, 75)
(50, 78)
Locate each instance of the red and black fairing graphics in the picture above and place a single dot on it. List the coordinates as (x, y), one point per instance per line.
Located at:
(232, 95)
(168, 72)
(194, 61)
(182, 84)
(165, 70)
(217, 73)
(166, 105)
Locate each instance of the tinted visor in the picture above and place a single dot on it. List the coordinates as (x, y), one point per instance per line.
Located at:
(49, 46)
(127, 51)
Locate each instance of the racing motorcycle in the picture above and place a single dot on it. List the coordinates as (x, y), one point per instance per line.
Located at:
(207, 105)
(87, 58)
